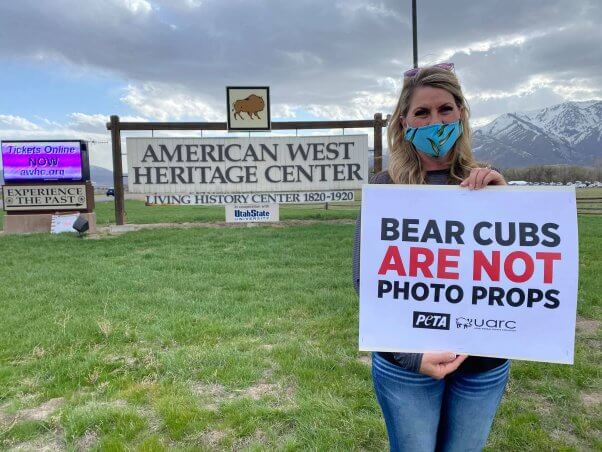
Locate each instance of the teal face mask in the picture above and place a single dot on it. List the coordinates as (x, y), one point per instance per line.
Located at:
(435, 140)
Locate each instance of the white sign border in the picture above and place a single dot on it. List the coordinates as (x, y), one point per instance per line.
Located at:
(493, 188)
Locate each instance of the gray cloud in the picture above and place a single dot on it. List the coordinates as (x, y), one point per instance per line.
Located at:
(323, 54)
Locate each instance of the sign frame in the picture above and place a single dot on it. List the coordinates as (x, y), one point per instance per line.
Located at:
(84, 162)
(85, 187)
(230, 113)
(172, 165)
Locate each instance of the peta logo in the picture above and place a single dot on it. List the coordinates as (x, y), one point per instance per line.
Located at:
(431, 320)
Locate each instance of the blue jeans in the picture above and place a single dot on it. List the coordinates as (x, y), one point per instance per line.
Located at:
(424, 414)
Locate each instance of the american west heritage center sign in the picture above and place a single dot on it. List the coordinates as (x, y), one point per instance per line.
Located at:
(247, 170)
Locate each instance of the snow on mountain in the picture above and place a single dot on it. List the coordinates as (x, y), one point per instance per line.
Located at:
(568, 133)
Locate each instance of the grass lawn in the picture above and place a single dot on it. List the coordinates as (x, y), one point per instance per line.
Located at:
(233, 338)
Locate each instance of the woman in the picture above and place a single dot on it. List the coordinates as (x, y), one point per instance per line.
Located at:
(434, 401)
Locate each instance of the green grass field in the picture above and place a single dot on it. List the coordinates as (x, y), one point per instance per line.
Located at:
(233, 338)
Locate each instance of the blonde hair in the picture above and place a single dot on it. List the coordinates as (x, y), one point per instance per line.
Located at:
(404, 164)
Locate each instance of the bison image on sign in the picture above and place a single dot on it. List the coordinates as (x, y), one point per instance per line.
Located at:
(251, 106)
(248, 108)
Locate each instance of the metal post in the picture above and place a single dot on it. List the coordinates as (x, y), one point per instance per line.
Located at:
(378, 143)
(415, 33)
(117, 170)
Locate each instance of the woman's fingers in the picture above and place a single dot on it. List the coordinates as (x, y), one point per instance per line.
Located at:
(470, 181)
(439, 357)
(453, 365)
(494, 178)
(438, 365)
(481, 177)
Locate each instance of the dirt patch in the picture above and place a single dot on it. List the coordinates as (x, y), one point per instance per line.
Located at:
(258, 437)
(213, 390)
(154, 422)
(542, 405)
(284, 395)
(87, 441)
(122, 361)
(260, 390)
(114, 230)
(212, 394)
(5, 418)
(588, 326)
(565, 437)
(117, 403)
(365, 359)
(212, 438)
(47, 443)
(100, 236)
(42, 412)
(591, 399)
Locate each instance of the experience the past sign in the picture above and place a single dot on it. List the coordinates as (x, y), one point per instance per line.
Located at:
(45, 197)
(247, 165)
(489, 272)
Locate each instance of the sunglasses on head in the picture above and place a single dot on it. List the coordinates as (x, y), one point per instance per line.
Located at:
(416, 70)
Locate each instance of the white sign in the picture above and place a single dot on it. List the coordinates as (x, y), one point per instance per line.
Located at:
(300, 197)
(45, 197)
(490, 272)
(63, 223)
(239, 165)
(248, 107)
(254, 213)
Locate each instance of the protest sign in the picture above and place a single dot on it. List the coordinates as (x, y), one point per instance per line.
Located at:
(489, 272)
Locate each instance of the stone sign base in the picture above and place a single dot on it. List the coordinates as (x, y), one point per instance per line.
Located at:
(38, 222)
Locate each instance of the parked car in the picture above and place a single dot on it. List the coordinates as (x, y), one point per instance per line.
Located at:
(111, 192)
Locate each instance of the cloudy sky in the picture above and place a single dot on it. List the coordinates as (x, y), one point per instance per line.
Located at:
(69, 64)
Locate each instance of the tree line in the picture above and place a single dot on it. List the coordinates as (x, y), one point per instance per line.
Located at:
(556, 173)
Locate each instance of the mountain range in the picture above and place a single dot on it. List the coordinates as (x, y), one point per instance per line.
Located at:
(569, 133)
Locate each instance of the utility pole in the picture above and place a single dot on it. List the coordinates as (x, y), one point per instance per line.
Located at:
(415, 33)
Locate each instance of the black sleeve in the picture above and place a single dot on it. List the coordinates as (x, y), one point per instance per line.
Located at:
(409, 361)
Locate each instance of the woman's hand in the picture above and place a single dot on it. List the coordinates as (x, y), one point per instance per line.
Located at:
(481, 177)
(438, 365)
